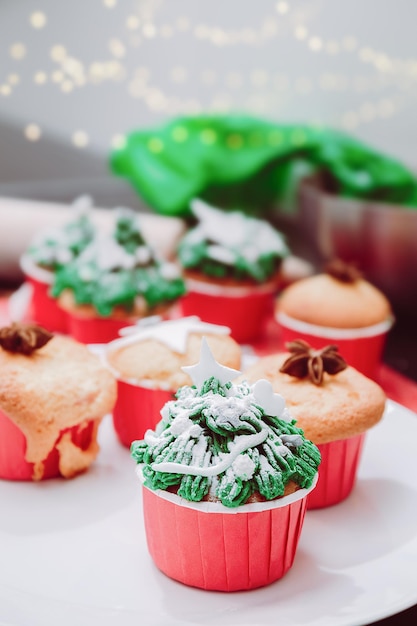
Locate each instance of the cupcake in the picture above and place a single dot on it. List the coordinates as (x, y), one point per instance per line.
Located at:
(231, 263)
(334, 404)
(53, 394)
(337, 306)
(148, 361)
(49, 251)
(117, 280)
(225, 475)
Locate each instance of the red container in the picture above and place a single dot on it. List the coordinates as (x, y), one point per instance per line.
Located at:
(245, 310)
(96, 329)
(43, 309)
(362, 348)
(338, 470)
(13, 465)
(137, 409)
(208, 545)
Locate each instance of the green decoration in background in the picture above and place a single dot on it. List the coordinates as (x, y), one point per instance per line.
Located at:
(241, 162)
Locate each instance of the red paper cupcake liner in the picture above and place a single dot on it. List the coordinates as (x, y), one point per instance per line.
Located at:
(13, 465)
(244, 310)
(208, 546)
(136, 410)
(96, 329)
(44, 309)
(338, 471)
(361, 348)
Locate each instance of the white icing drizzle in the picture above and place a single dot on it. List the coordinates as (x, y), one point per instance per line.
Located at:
(234, 234)
(172, 333)
(52, 245)
(240, 444)
(106, 254)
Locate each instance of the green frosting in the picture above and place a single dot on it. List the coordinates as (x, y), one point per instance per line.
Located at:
(127, 232)
(231, 245)
(246, 163)
(220, 439)
(115, 270)
(61, 245)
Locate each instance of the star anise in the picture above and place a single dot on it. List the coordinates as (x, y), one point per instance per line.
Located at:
(23, 338)
(343, 271)
(305, 361)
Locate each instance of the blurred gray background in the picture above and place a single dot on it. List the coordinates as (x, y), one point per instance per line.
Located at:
(76, 75)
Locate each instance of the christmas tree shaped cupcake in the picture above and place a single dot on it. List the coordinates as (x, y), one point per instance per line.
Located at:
(232, 267)
(117, 280)
(225, 478)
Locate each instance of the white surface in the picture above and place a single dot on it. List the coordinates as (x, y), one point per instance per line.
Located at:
(74, 552)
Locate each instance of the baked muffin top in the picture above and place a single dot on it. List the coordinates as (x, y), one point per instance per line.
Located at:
(343, 405)
(153, 354)
(55, 387)
(336, 300)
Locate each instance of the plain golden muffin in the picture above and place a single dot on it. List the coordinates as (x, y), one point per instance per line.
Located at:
(336, 298)
(157, 365)
(50, 389)
(343, 405)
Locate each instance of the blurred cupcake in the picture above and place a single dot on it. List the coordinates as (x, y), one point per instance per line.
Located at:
(335, 405)
(148, 362)
(53, 394)
(49, 251)
(231, 264)
(338, 306)
(116, 280)
(225, 474)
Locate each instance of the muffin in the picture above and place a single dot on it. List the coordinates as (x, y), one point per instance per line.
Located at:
(53, 394)
(337, 306)
(117, 280)
(334, 404)
(48, 251)
(231, 263)
(225, 475)
(148, 363)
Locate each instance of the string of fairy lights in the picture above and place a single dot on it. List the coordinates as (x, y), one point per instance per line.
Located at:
(144, 22)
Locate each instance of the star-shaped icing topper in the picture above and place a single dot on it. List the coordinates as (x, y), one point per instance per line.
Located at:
(208, 367)
(172, 333)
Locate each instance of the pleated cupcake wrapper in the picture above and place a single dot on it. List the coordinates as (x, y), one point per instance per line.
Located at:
(96, 329)
(137, 409)
(338, 471)
(362, 348)
(43, 309)
(212, 547)
(245, 310)
(13, 465)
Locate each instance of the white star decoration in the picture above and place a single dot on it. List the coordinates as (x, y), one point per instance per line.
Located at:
(208, 367)
(173, 333)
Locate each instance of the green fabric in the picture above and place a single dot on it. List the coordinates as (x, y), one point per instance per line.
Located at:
(241, 162)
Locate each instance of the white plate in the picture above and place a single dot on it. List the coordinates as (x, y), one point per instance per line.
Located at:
(74, 552)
